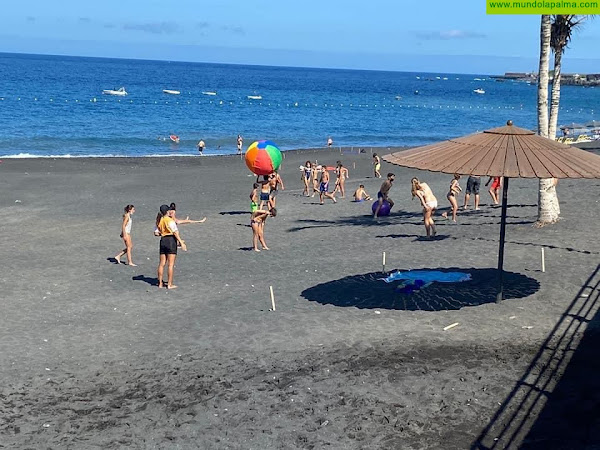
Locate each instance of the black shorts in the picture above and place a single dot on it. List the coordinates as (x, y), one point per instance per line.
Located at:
(473, 184)
(168, 245)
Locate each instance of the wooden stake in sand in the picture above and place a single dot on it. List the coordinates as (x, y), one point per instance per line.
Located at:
(272, 298)
(452, 325)
(354, 165)
(383, 261)
(543, 261)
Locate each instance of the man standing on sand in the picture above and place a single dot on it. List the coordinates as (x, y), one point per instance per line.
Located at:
(376, 165)
(382, 195)
(240, 142)
(473, 184)
(201, 146)
(324, 186)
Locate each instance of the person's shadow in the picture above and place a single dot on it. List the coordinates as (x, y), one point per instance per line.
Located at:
(145, 279)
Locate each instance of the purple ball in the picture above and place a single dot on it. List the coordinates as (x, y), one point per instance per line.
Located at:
(384, 210)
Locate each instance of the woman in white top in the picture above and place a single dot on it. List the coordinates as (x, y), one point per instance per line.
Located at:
(126, 235)
(429, 202)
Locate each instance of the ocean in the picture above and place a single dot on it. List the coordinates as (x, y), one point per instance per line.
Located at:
(53, 106)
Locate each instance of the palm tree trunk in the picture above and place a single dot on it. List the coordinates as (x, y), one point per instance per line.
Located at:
(554, 107)
(555, 97)
(545, 33)
(547, 192)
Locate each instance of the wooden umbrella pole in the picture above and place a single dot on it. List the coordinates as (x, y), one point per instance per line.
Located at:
(502, 235)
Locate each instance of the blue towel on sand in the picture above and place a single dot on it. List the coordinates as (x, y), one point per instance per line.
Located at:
(428, 276)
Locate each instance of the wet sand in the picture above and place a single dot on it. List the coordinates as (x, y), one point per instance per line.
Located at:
(93, 355)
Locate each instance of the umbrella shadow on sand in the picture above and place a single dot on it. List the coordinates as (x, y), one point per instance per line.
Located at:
(370, 291)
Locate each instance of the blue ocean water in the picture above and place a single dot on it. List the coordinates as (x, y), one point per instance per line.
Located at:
(54, 106)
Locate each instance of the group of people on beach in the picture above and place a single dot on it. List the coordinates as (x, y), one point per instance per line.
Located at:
(170, 240)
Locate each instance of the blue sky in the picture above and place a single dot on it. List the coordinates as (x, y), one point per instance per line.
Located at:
(421, 35)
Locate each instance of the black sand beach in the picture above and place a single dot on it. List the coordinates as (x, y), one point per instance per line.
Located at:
(93, 355)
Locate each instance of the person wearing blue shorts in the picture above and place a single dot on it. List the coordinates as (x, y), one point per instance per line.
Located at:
(324, 186)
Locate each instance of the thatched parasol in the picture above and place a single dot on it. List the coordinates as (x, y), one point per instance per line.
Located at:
(508, 152)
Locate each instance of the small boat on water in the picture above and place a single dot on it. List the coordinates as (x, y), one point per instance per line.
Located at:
(398, 97)
(174, 138)
(255, 97)
(479, 91)
(121, 92)
(209, 93)
(171, 91)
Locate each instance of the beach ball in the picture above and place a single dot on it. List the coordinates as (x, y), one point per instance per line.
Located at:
(384, 210)
(263, 157)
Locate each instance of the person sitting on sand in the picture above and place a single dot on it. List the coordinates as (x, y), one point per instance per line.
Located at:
(306, 176)
(382, 195)
(376, 165)
(360, 194)
(254, 197)
(186, 220)
(274, 182)
(126, 235)
(494, 189)
(340, 182)
(257, 222)
(265, 192)
(324, 186)
(169, 240)
(452, 197)
(429, 202)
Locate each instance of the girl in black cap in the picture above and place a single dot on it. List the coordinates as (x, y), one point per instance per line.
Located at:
(169, 239)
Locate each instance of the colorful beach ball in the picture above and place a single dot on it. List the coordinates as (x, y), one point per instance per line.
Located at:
(263, 157)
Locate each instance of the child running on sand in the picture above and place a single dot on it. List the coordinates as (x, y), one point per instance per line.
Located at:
(429, 202)
(257, 222)
(494, 189)
(360, 194)
(452, 197)
(126, 235)
(186, 220)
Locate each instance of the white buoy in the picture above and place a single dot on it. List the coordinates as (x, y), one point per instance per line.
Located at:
(543, 261)
(272, 298)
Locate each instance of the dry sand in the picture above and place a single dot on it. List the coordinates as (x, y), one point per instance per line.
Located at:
(93, 355)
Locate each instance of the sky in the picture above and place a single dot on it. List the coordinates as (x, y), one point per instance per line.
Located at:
(401, 35)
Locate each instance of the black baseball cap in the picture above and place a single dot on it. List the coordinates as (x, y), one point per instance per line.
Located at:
(164, 209)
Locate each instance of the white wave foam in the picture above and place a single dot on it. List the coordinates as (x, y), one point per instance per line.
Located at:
(166, 155)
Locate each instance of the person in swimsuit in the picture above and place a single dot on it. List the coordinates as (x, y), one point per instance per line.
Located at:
(186, 220)
(240, 142)
(376, 165)
(429, 202)
(306, 176)
(257, 222)
(360, 194)
(254, 197)
(316, 170)
(382, 195)
(452, 197)
(265, 192)
(126, 235)
(473, 183)
(494, 189)
(340, 182)
(169, 240)
(324, 186)
(274, 182)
